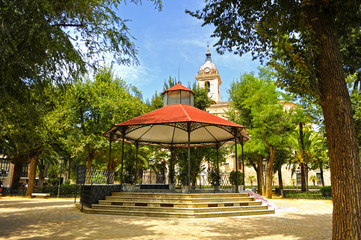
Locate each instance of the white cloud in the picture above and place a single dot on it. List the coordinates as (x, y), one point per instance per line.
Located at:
(135, 75)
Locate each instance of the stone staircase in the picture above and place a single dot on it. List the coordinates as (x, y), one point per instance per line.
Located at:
(178, 205)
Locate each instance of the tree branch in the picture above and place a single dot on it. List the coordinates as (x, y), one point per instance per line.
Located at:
(69, 25)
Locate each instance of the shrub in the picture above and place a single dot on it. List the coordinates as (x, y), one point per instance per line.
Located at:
(65, 189)
(233, 177)
(214, 178)
(183, 178)
(326, 191)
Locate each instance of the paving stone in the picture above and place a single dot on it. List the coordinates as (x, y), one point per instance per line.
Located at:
(22, 218)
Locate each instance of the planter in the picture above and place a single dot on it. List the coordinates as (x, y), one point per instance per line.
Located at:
(185, 189)
(171, 187)
(240, 188)
(128, 187)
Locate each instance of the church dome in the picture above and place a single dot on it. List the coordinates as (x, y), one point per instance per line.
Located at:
(208, 65)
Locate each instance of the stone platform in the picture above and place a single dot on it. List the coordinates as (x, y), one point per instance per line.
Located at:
(178, 205)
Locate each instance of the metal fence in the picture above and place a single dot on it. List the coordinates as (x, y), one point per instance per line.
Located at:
(100, 177)
(202, 182)
(151, 177)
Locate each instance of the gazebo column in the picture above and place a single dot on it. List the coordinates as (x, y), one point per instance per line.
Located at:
(110, 156)
(235, 149)
(121, 169)
(189, 156)
(244, 175)
(171, 170)
(136, 161)
(218, 173)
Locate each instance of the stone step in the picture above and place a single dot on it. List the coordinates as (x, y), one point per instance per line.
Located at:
(182, 210)
(144, 203)
(174, 199)
(179, 215)
(178, 195)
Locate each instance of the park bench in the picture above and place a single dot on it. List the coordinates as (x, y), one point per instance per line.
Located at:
(43, 195)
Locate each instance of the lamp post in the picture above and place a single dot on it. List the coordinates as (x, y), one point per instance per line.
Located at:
(264, 172)
(61, 159)
(150, 170)
(297, 173)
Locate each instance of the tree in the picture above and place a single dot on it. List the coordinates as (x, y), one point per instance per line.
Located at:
(42, 40)
(313, 30)
(30, 130)
(314, 179)
(256, 102)
(91, 107)
(254, 152)
(251, 179)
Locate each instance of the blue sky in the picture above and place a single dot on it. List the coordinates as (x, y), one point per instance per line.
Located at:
(170, 40)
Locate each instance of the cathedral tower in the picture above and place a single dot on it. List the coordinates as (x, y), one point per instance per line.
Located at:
(209, 78)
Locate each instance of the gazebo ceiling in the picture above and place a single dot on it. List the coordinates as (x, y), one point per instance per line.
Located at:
(169, 126)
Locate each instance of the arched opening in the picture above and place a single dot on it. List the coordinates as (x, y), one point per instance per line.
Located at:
(207, 85)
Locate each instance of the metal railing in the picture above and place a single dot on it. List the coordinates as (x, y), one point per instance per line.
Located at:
(201, 183)
(99, 177)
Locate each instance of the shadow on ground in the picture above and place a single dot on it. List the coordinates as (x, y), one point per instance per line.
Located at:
(59, 219)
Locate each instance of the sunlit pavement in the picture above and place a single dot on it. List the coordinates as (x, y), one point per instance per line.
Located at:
(22, 218)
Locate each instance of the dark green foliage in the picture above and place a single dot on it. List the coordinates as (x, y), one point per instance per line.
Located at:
(310, 195)
(326, 191)
(233, 178)
(45, 39)
(65, 190)
(278, 31)
(182, 178)
(201, 99)
(214, 178)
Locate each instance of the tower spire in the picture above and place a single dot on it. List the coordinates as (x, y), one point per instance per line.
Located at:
(208, 54)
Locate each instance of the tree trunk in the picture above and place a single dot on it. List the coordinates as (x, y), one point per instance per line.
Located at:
(304, 179)
(18, 166)
(41, 167)
(321, 173)
(91, 157)
(260, 178)
(32, 174)
(280, 180)
(269, 171)
(340, 129)
(69, 166)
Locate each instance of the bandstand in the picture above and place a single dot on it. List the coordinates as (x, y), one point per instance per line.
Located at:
(177, 124)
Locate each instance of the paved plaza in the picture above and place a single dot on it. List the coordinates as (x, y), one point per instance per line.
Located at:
(22, 218)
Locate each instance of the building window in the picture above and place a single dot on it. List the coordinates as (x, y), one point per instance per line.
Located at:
(4, 167)
(319, 182)
(24, 170)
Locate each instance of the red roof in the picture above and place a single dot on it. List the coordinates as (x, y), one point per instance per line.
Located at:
(177, 88)
(178, 113)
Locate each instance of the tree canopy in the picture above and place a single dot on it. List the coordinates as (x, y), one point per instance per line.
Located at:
(257, 104)
(57, 40)
(305, 36)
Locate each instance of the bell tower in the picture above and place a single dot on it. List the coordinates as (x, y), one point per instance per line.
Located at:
(209, 78)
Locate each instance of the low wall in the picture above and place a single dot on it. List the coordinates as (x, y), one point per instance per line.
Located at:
(93, 193)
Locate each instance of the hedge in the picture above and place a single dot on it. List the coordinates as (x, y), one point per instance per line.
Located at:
(326, 191)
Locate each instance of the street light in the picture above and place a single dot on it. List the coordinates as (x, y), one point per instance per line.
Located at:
(297, 172)
(264, 162)
(150, 170)
(61, 159)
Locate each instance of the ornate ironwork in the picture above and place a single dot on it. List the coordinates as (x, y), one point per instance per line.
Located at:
(99, 177)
